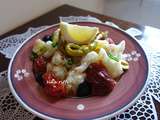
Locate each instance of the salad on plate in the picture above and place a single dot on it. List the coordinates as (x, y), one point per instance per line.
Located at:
(78, 61)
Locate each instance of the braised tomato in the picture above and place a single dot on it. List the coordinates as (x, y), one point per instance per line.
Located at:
(101, 82)
(53, 86)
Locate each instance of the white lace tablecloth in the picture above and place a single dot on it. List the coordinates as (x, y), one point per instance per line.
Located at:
(143, 109)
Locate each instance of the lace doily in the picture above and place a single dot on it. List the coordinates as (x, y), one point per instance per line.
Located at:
(9, 45)
(143, 109)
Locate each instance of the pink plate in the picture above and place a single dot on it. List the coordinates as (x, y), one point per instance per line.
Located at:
(28, 93)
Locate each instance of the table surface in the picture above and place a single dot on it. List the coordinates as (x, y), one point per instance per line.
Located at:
(52, 17)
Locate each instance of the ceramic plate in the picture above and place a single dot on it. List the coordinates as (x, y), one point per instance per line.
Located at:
(129, 88)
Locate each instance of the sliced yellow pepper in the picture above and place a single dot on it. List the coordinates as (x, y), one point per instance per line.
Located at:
(124, 64)
(79, 50)
(93, 45)
(85, 49)
(74, 50)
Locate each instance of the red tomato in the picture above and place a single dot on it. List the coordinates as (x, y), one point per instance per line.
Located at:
(101, 82)
(40, 64)
(53, 86)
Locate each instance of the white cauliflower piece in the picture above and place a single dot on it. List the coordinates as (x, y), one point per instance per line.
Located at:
(113, 67)
(60, 71)
(49, 67)
(50, 50)
(117, 50)
(91, 57)
(73, 79)
(77, 76)
(57, 59)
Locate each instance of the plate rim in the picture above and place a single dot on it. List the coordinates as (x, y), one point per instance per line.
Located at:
(123, 108)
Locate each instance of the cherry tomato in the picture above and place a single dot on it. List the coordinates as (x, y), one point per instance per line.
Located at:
(53, 86)
(39, 64)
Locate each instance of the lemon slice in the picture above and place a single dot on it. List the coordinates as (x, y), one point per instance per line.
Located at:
(78, 34)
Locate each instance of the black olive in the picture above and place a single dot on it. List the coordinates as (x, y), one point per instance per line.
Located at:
(47, 38)
(84, 89)
(39, 79)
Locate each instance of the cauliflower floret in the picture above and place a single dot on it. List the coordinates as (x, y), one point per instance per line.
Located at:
(117, 50)
(60, 71)
(77, 76)
(57, 59)
(91, 57)
(50, 50)
(113, 67)
(73, 79)
(81, 68)
(49, 67)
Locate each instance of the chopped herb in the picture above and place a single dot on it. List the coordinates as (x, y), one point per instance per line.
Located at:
(54, 44)
(33, 56)
(113, 57)
(69, 61)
